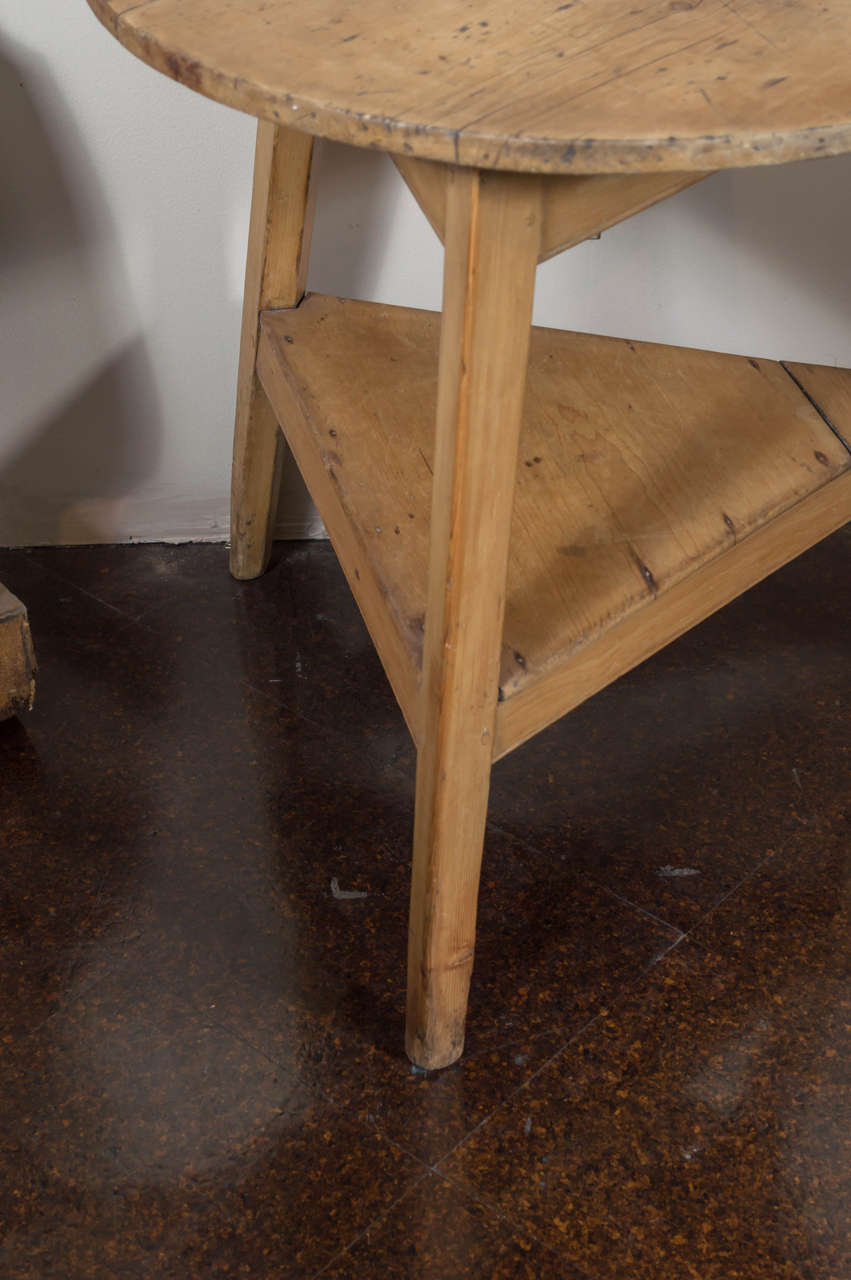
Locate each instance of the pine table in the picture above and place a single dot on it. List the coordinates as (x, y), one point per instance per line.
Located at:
(522, 514)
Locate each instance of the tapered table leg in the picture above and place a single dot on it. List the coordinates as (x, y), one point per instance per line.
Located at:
(276, 270)
(492, 245)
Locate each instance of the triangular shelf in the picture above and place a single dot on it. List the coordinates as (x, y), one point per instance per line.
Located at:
(654, 483)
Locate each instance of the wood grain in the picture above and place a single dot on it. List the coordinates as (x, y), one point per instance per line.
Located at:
(493, 228)
(572, 208)
(576, 208)
(344, 502)
(275, 273)
(17, 659)
(592, 86)
(830, 390)
(427, 181)
(644, 632)
(639, 464)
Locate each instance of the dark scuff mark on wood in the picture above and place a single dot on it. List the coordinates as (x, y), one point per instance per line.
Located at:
(647, 574)
(186, 70)
(140, 4)
(425, 460)
(729, 523)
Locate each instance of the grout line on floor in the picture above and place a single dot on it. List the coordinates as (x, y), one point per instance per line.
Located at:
(90, 595)
(541, 857)
(580, 1031)
(377, 1222)
(636, 906)
(516, 1227)
(751, 874)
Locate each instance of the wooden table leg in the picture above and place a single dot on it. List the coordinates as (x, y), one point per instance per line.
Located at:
(275, 275)
(492, 244)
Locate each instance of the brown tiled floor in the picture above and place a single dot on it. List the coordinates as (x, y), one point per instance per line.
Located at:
(202, 1070)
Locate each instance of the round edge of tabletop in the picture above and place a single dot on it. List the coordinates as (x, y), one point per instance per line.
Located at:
(467, 148)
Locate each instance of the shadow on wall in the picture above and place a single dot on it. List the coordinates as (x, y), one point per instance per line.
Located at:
(81, 426)
(65, 484)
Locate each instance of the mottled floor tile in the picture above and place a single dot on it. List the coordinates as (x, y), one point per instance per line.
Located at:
(201, 1063)
(674, 783)
(192, 849)
(133, 579)
(792, 919)
(241, 918)
(436, 1232)
(550, 955)
(753, 1205)
(166, 1146)
(295, 633)
(623, 1150)
(800, 619)
(89, 785)
(64, 618)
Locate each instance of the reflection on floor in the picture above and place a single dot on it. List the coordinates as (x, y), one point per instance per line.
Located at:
(201, 1065)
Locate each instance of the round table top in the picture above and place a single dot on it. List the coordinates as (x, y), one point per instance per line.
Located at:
(587, 86)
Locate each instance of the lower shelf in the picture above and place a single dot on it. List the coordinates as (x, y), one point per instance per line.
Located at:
(654, 484)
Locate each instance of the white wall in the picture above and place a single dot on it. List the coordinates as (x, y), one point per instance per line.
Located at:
(123, 218)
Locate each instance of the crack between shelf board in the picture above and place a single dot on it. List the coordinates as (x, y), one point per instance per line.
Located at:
(846, 444)
(140, 4)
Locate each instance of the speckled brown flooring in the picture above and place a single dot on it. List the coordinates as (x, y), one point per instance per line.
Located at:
(201, 1066)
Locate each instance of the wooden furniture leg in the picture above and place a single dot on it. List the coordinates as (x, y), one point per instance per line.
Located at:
(275, 275)
(17, 660)
(492, 242)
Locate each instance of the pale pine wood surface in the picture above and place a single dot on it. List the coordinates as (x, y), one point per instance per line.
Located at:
(349, 518)
(644, 632)
(573, 208)
(493, 232)
(591, 86)
(275, 273)
(639, 464)
(831, 390)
